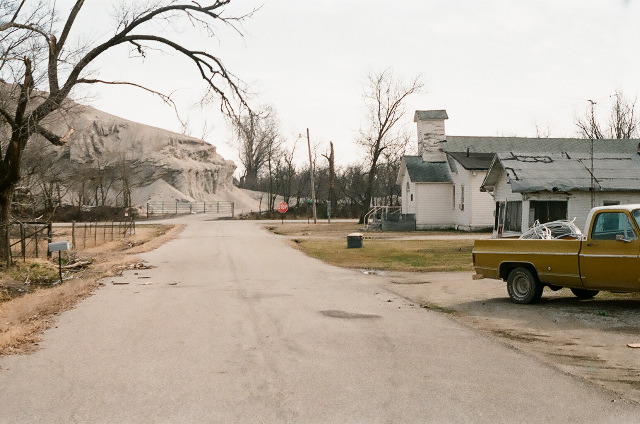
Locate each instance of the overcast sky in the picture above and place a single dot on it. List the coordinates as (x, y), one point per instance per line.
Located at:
(499, 67)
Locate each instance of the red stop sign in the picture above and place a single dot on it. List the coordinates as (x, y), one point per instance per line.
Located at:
(283, 207)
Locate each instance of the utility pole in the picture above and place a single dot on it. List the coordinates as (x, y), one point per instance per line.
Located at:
(313, 186)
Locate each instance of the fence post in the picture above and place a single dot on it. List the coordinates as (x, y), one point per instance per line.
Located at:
(204, 207)
(95, 233)
(232, 210)
(112, 230)
(73, 234)
(147, 210)
(176, 207)
(49, 238)
(22, 243)
(36, 240)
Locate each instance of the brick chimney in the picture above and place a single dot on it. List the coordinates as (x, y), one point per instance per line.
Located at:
(431, 134)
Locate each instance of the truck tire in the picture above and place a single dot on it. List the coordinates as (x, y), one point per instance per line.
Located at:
(523, 286)
(584, 293)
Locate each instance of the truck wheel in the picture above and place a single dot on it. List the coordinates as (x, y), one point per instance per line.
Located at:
(523, 286)
(584, 293)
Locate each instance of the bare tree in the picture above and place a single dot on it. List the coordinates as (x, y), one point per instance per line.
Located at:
(41, 69)
(332, 198)
(385, 97)
(257, 136)
(622, 124)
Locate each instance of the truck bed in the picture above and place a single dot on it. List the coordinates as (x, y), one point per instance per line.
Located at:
(555, 261)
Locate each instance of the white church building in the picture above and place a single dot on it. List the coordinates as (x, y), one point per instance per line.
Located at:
(441, 186)
(507, 183)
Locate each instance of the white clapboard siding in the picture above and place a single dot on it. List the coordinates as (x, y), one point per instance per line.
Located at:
(433, 205)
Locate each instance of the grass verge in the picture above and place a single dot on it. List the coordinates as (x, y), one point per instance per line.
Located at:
(393, 255)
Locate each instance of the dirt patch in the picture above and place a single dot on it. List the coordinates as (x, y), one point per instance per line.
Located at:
(586, 338)
(23, 319)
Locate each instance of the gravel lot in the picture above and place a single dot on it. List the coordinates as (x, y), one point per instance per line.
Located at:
(585, 338)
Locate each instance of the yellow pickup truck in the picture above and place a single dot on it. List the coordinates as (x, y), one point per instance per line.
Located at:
(605, 257)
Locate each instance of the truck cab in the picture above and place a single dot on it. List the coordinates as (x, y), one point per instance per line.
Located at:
(610, 254)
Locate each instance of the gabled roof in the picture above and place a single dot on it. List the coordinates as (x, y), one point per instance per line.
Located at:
(539, 145)
(423, 115)
(426, 172)
(565, 172)
(473, 161)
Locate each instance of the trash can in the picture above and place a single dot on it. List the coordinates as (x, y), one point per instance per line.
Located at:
(354, 240)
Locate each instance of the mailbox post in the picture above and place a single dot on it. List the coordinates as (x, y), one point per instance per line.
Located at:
(59, 247)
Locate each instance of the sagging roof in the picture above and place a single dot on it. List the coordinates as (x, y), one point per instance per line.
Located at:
(423, 115)
(564, 172)
(426, 172)
(472, 161)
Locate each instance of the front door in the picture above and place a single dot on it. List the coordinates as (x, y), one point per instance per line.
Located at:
(609, 259)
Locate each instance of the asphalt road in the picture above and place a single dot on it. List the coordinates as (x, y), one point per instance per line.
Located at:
(233, 325)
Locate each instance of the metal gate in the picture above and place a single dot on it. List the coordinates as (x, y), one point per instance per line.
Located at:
(219, 209)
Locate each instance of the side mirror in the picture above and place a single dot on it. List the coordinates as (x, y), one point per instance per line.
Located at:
(620, 237)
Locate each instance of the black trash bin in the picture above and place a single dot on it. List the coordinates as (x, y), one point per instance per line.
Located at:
(354, 240)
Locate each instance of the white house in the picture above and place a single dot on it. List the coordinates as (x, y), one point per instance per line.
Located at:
(472, 182)
(441, 186)
(529, 187)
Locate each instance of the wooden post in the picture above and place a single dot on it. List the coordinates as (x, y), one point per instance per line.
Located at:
(49, 233)
(23, 245)
(35, 235)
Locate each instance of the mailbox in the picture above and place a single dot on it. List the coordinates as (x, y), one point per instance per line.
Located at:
(58, 246)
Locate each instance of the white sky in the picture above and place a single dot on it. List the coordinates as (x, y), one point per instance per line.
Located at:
(499, 67)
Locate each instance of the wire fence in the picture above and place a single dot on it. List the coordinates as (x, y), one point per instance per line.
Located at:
(31, 239)
(221, 209)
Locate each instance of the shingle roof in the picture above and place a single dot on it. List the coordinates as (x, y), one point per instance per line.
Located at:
(426, 172)
(473, 161)
(567, 171)
(422, 115)
(541, 145)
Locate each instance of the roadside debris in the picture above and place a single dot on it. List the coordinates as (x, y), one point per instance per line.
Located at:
(634, 345)
(78, 264)
(119, 283)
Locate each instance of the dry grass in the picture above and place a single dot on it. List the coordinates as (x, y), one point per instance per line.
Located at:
(393, 255)
(23, 319)
(382, 250)
(341, 229)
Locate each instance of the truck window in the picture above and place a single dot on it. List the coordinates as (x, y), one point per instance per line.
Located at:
(609, 225)
(636, 216)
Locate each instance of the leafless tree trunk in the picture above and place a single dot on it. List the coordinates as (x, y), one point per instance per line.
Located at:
(333, 199)
(40, 70)
(385, 98)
